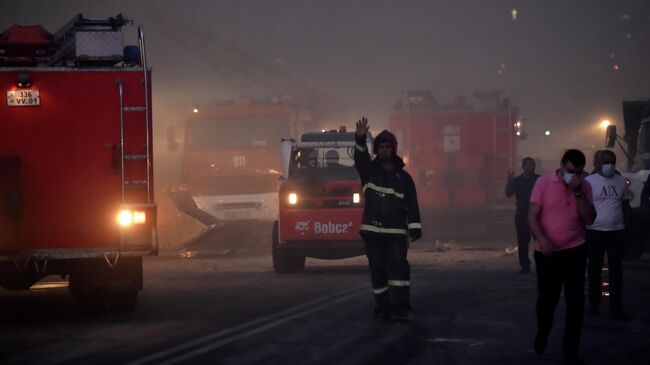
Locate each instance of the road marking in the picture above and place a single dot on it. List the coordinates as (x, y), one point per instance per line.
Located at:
(215, 340)
(470, 342)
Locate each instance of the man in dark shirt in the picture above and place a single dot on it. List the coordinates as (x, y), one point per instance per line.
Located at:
(522, 186)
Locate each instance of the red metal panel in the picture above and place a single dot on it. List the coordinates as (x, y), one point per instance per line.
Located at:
(320, 224)
(469, 177)
(70, 177)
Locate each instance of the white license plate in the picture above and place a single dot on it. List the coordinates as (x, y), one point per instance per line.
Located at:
(238, 214)
(23, 97)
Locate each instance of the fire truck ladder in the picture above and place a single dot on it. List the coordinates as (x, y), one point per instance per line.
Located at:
(127, 109)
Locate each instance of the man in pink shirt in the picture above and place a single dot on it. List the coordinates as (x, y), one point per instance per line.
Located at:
(560, 208)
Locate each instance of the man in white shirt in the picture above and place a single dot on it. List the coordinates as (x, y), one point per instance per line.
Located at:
(610, 195)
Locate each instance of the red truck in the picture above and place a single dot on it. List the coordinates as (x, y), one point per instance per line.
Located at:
(320, 201)
(231, 161)
(76, 162)
(458, 155)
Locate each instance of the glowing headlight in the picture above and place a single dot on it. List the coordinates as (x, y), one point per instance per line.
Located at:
(293, 198)
(139, 217)
(127, 217)
(356, 198)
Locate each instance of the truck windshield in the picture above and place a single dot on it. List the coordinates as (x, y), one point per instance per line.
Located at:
(324, 163)
(236, 132)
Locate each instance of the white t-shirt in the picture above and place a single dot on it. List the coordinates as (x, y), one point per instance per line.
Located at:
(608, 194)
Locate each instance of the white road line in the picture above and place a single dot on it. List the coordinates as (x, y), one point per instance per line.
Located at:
(256, 325)
(215, 345)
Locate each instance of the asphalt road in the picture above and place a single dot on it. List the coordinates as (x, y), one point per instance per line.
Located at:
(229, 307)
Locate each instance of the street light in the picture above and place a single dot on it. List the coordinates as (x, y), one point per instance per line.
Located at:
(547, 132)
(604, 124)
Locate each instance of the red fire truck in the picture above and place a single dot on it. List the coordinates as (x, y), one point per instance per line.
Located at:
(320, 201)
(230, 160)
(458, 155)
(76, 168)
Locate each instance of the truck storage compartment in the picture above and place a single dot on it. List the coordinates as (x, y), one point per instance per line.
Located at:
(10, 203)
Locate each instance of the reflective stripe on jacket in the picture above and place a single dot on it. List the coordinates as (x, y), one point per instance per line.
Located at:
(391, 205)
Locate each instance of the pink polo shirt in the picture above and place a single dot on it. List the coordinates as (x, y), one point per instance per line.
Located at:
(559, 218)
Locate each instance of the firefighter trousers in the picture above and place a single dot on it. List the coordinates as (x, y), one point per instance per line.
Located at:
(389, 270)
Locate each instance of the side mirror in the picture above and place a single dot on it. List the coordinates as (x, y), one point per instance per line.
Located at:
(610, 136)
(172, 145)
(285, 148)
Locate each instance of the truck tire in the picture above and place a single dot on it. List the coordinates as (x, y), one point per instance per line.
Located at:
(100, 287)
(93, 301)
(284, 262)
(123, 301)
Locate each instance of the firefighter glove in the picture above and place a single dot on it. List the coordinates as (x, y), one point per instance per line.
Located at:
(415, 234)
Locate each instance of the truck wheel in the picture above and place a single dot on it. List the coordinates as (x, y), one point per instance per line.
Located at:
(123, 301)
(284, 262)
(93, 301)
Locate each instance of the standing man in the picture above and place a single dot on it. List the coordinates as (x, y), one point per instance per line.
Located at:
(560, 208)
(598, 161)
(522, 186)
(390, 216)
(607, 234)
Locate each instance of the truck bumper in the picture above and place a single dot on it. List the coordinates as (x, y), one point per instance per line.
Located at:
(249, 207)
(328, 250)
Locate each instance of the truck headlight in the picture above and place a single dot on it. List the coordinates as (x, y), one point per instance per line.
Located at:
(356, 198)
(128, 217)
(293, 198)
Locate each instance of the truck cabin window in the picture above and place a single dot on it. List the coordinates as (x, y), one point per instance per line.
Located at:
(323, 163)
(237, 132)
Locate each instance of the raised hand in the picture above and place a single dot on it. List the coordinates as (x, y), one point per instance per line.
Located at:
(362, 127)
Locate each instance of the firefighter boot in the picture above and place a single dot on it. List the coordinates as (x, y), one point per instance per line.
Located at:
(401, 308)
(382, 310)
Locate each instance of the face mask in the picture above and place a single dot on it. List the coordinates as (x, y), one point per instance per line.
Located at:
(608, 170)
(567, 177)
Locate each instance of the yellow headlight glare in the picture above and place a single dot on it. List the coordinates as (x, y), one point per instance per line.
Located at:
(128, 217)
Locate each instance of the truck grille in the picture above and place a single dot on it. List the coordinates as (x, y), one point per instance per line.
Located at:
(243, 205)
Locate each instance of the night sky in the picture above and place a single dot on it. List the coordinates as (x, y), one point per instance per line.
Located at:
(556, 59)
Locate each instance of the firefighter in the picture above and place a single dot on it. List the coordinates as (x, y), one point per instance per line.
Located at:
(390, 217)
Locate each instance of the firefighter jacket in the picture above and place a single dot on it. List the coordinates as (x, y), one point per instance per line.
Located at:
(391, 205)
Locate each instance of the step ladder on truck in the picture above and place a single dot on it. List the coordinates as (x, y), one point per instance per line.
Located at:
(76, 192)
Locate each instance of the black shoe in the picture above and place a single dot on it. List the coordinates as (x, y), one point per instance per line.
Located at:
(593, 310)
(401, 311)
(524, 270)
(382, 313)
(540, 343)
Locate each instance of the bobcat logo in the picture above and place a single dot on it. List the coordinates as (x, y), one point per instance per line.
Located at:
(302, 226)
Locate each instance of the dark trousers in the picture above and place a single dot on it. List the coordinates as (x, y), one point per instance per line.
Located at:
(613, 243)
(562, 268)
(523, 239)
(389, 269)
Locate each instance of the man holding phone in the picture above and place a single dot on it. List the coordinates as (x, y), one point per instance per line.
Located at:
(560, 208)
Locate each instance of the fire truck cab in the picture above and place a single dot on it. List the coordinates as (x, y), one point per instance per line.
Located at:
(230, 162)
(320, 201)
(76, 162)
